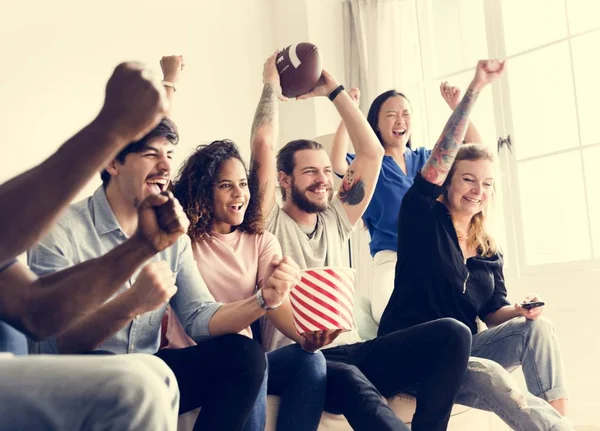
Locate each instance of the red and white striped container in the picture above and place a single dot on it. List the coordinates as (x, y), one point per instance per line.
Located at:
(323, 299)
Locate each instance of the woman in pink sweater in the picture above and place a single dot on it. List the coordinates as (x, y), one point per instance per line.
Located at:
(236, 258)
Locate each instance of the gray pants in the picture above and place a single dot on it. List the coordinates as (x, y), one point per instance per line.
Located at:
(489, 386)
(133, 392)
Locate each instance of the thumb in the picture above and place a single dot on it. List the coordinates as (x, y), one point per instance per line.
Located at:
(154, 201)
(275, 261)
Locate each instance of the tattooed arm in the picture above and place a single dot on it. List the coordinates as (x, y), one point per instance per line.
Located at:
(451, 95)
(265, 128)
(437, 167)
(361, 177)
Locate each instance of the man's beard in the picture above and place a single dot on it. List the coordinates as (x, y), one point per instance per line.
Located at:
(301, 201)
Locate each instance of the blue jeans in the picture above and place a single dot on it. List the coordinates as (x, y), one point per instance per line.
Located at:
(299, 379)
(488, 385)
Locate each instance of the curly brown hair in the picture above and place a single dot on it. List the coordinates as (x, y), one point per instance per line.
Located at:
(194, 187)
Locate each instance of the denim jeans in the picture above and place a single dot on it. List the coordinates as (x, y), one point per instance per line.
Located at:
(431, 357)
(134, 392)
(488, 385)
(299, 379)
(222, 375)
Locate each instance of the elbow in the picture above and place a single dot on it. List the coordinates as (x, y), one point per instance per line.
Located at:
(260, 142)
(339, 167)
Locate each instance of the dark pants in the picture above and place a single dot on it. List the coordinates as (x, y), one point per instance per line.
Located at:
(430, 359)
(222, 375)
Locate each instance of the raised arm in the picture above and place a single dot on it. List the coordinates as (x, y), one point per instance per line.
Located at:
(339, 148)
(360, 179)
(263, 137)
(135, 102)
(45, 306)
(442, 157)
(171, 66)
(451, 95)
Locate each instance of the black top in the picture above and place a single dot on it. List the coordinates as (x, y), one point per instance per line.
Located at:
(432, 280)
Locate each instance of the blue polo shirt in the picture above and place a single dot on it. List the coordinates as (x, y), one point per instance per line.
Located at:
(381, 216)
(89, 229)
(11, 340)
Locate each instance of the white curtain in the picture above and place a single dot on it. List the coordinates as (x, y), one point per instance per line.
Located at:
(382, 52)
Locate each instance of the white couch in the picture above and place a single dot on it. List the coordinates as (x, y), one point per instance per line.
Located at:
(463, 418)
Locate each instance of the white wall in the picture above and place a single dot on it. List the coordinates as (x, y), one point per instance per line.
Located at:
(58, 55)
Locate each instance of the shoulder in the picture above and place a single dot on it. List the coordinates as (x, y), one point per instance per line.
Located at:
(75, 215)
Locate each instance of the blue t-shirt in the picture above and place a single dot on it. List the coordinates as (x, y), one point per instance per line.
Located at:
(11, 340)
(381, 216)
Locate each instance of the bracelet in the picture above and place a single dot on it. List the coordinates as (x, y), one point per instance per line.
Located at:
(169, 84)
(335, 92)
(263, 304)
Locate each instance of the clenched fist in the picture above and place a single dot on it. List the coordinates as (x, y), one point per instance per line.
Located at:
(284, 276)
(161, 220)
(135, 102)
(154, 286)
(487, 71)
(171, 66)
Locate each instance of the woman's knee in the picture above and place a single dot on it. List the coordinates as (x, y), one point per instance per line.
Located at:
(313, 364)
(455, 332)
(251, 352)
(541, 328)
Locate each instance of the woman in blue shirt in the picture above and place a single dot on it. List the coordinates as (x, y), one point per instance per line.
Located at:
(390, 116)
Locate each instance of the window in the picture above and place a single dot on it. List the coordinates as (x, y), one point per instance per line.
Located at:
(549, 212)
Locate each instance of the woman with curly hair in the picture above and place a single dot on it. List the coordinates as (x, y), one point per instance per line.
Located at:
(236, 257)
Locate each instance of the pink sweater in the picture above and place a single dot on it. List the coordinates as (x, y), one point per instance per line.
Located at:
(232, 266)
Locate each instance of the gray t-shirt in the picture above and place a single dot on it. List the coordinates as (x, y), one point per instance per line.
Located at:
(311, 247)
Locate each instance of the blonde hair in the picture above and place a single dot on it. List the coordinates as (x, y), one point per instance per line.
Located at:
(479, 235)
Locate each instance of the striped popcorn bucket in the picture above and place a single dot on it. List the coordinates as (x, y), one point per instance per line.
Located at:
(323, 299)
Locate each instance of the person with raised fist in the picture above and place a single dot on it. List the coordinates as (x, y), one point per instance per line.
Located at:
(449, 266)
(226, 229)
(81, 392)
(313, 227)
(131, 320)
(391, 117)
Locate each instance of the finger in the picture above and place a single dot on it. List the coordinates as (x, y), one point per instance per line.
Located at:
(284, 277)
(275, 261)
(174, 225)
(306, 96)
(289, 261)
(154, 200)
(288, 268)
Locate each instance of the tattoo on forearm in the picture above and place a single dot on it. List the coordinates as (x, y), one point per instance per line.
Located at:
(266, 109)
(442, 157)
(352, 191)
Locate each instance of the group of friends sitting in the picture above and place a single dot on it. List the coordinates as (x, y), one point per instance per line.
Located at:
(162, 293)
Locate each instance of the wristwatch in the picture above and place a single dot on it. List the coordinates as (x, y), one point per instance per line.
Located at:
(263, 304)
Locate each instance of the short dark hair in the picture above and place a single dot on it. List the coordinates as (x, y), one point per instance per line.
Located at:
(195, 183)
(165, 129)
(286, 161)
(373, 115)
